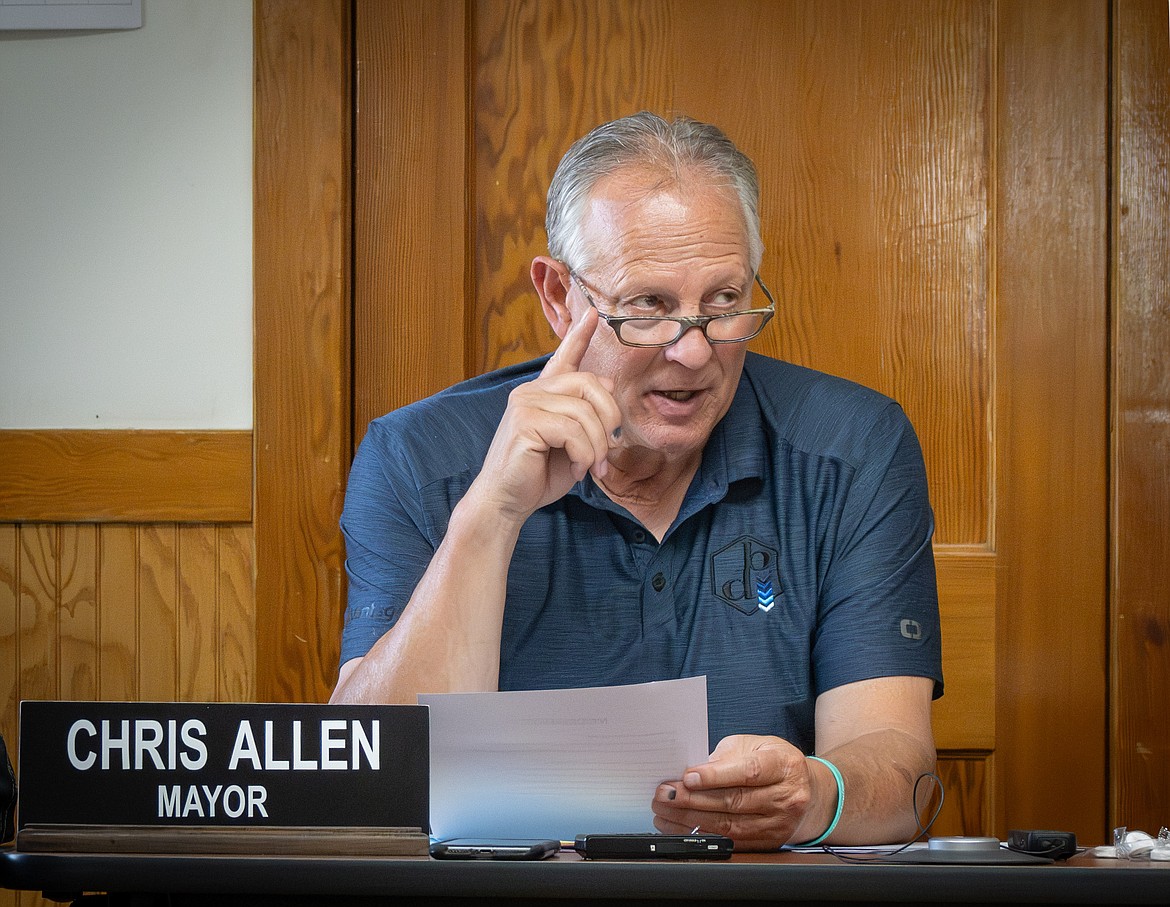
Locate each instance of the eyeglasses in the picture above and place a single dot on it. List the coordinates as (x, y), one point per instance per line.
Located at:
(664, 330)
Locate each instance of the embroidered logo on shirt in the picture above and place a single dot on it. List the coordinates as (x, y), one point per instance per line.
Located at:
(765, 599)
(743, 574)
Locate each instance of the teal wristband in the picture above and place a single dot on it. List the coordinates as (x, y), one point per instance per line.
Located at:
(840, 802)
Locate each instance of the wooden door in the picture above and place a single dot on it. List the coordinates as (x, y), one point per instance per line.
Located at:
(913, 244)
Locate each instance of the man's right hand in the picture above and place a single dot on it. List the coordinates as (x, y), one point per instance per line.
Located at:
(555, 429)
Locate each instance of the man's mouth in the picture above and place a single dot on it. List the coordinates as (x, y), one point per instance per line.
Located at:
(678, 395)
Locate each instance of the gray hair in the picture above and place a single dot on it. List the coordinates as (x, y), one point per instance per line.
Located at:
(646, 139)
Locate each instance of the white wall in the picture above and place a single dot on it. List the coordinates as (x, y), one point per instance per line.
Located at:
(126, 222)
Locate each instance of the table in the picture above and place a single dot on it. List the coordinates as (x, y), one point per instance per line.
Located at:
(745, 879)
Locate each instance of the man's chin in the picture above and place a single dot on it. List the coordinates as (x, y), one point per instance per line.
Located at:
(672, 441)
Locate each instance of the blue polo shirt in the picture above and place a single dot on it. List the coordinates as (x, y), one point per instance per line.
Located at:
(800, 559)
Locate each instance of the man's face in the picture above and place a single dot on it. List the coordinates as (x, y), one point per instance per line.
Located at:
(687, 247)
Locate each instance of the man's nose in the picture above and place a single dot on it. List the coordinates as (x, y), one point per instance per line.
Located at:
(691, 349)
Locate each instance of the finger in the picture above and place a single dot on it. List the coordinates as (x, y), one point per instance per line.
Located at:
(596, 390)
(751, 830)
(579, 439)
(571, 351)
(728, 801)
(752, 795)
(577, 405)
(669, 827)
(745, 761)
(684, 821)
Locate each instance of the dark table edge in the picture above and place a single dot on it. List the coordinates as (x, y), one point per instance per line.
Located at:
(570, 877)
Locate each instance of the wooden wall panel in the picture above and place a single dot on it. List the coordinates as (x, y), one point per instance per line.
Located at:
(158, 613)
(117, 583)
(236, 616)
(964, 719)
(196, 620)
(9, 625)
(875, 172)
(34, 597)
(1052, 354)
(410, 292)
(124, 612)
(1140, 622)
(133, 476)
(78, 612)
(967, 808)
(302, 263)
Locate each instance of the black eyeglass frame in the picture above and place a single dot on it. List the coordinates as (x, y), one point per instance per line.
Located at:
(684, 322)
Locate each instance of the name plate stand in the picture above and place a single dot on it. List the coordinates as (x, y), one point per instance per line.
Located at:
(223, 778)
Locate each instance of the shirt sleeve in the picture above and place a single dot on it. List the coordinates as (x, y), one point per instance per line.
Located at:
(387, 542)
(878, 612)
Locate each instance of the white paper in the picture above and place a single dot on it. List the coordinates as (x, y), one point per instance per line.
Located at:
(559, 763)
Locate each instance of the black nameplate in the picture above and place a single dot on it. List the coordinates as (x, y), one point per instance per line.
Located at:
(223, 764)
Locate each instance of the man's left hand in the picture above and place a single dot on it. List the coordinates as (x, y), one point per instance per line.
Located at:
(755, 790)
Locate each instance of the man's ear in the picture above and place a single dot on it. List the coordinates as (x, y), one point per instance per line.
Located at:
(551, 282)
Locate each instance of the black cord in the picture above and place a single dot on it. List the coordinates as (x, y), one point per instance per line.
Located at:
(923, 830)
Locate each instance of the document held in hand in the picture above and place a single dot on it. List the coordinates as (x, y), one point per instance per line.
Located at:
(558, 763)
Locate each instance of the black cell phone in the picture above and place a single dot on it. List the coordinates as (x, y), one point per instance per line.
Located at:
(654, 847)
(494, 849)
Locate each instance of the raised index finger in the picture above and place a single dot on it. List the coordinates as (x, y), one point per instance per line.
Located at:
(569, 354)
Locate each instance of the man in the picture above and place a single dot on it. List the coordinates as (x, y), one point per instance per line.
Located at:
(652, 501)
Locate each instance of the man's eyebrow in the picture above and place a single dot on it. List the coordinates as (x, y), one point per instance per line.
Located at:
(716, 286)
(728, 280)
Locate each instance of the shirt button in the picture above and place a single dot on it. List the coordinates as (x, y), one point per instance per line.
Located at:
(639, 536)
(659, 582)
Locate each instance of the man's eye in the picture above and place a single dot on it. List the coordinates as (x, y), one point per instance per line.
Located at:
(643, 305)
(725, 301)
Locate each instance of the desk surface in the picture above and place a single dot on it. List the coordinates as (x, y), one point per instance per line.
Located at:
(780, 878)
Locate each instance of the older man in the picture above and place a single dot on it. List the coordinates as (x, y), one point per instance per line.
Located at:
(652, 501)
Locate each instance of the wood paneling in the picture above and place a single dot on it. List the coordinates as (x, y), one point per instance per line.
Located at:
(1052, 252)
(125, 476)
(1141, 416)
(412, 283)
(967, 807)
(302, 330)
(124, 612)
(878, 219)
(964, 719)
